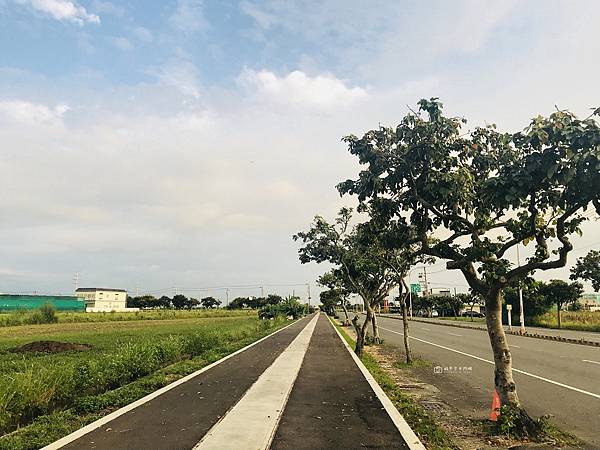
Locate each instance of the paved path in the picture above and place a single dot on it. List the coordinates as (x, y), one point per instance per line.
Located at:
(297, 389)
(552, 377)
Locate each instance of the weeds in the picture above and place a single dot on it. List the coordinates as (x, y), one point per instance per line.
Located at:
(36, 385)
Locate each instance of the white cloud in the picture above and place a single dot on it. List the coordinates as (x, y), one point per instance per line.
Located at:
(143, 34)
(263, 19)
(28, 112)
(188, 16)
(321, 92)
(181, 74)
(122, 43)
(63, 10)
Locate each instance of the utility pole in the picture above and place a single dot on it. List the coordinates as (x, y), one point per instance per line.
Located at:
(308, 286)
(521, 311)
(410, 295)
(262, 291)
(426, 285)
(76, 281)
(227, 296)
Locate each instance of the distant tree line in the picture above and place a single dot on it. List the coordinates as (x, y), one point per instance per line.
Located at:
(178, 301)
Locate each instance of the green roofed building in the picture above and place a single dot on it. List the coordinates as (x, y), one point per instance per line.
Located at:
(9, 303)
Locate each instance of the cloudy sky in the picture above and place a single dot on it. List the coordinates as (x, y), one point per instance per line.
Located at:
(180, 143)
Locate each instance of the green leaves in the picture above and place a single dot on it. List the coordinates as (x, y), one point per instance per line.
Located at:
(490, 190)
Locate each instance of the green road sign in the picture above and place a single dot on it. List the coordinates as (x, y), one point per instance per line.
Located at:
(415, 287)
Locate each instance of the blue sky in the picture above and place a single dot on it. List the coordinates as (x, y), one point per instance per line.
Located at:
(181, 143)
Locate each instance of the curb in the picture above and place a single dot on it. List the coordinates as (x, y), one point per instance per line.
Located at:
(409, 436)
(546, 337)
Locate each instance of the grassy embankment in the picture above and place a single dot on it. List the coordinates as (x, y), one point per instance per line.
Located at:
(464, 319)
(46, 396)
(24, 317)
(570, 320)
(422, 424)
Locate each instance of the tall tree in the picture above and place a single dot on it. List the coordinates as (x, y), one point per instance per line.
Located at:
(180, 301)
(355, 252)
(210, 302)
(334, 281)
(588, 269)
(561, 294)
(470, 197)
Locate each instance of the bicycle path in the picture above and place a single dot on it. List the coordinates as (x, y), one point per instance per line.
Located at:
(299, 388)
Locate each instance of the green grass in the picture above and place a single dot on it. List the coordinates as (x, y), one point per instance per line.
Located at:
(23, 317)
(41, 392)
(464, 319)
(422, 424)
(570, 320)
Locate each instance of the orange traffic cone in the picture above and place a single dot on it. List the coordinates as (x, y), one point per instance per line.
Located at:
(495, 407)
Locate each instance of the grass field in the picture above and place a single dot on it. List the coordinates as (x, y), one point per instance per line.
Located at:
(28, 317)
(570, 320)
(45, 396)
(464, 319)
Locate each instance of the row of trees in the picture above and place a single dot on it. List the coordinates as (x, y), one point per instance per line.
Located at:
(429, 189)
(178, 301)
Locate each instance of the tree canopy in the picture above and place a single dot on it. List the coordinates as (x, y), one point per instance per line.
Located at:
(588, 269)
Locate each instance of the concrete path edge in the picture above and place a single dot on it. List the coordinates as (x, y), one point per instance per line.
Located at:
(405, 430)
(119, 412)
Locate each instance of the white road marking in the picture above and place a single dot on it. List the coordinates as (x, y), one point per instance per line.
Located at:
(515, 346)
(454, 334)
(588, 361)
(405, 430)
(566, 386)
(254, 419)
(426, 329)
(119, 412)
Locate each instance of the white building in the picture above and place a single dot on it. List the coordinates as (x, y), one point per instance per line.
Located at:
(103, 299)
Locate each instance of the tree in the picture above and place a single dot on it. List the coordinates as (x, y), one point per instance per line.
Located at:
(561, 294)
(329, 299)
(334, 281)
(239, 303)
(354, 251)
(448, 304)
(588, 269)
(210, 302)
(470, 197)
(180, 301)
(164, 302)
(534, 300)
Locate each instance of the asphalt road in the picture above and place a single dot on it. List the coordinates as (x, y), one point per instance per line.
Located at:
(552, 377)
(572, 334)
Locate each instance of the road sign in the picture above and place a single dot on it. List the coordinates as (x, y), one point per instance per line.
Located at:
(508, 307)
(415, 287)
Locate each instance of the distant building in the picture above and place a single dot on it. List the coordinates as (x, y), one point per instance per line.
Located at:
(10, 302)
(440, 292)
(103, 299)
(590, 302)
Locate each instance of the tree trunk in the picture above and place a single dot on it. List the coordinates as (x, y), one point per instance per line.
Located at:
(376, 339)
(406, 331)
(347, 322)
(503, 378)
(361, 331)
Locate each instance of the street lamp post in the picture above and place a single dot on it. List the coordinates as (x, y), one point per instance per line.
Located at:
(521, 311)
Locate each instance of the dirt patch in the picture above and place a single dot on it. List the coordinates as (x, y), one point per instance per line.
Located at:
(50, 347)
